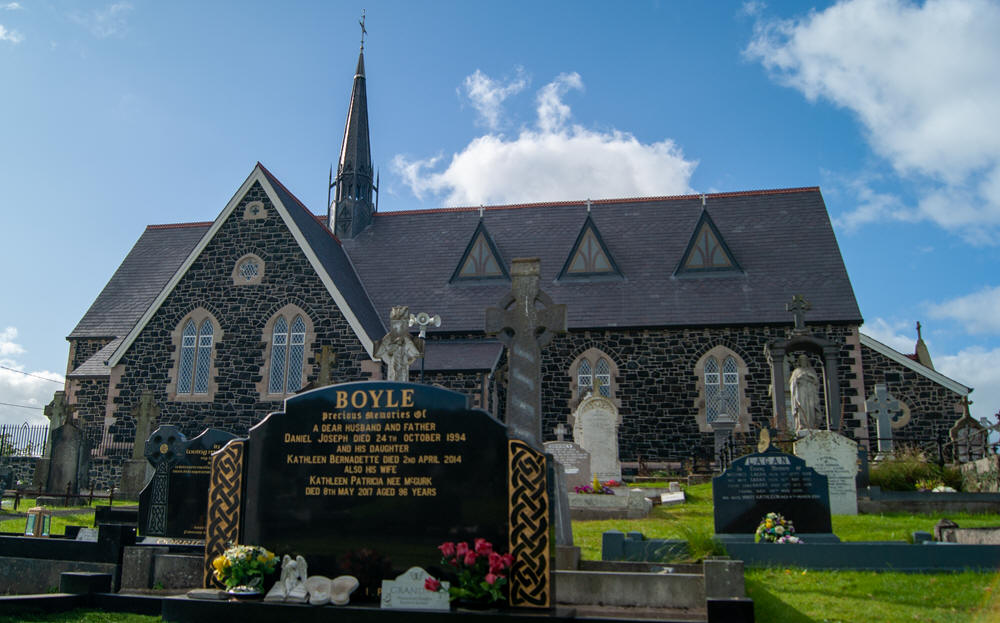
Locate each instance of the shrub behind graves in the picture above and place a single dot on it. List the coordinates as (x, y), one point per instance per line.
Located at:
(906, 467)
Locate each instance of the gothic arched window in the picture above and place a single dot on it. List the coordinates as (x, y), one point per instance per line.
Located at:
(286, 336)
(193, 374)
(722, 391)
(593, 372)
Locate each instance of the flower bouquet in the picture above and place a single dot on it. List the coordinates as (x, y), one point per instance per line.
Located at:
(242, 568)
(598, 487)
(481, 572)
(776, 529)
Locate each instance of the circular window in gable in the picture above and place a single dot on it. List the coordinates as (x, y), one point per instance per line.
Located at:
(249, 270)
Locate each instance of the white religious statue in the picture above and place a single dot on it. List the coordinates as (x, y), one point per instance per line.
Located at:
(804, 384)
(398, 349)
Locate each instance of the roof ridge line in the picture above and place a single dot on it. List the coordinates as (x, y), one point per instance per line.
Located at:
(594, 202)
(180, 225)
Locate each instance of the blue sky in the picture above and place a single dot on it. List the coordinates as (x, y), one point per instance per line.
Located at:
(122, 114)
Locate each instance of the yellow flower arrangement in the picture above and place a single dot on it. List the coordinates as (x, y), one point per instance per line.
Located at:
(244, 566)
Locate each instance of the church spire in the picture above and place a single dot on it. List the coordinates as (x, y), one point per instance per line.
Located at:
(351, 209)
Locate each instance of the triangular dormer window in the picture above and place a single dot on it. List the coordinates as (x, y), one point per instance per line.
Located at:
(590, 256)
(707, 251)
(481, 260)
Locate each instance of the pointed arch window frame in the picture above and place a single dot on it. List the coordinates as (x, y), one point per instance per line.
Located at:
(193, 371)
(481, 230)
(683, 269)
(292, 347)
(613, 272)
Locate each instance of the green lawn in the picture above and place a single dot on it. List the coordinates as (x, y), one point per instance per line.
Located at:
(84, 516)
(780, 595)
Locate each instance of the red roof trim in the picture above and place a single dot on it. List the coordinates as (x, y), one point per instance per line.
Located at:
(597, 202)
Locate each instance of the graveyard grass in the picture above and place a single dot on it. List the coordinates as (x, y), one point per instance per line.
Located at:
(800, 596)
(81, 616)
(84, 515)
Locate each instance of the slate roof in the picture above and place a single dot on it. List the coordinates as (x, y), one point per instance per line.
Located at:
(95, 366)
(446, 355)
(782, 239)
(153, 260)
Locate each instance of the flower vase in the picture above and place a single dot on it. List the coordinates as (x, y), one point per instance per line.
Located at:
(243, 592)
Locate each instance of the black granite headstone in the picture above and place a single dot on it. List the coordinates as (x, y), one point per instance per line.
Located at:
(369, 478)
(174, 501)
(771, 482)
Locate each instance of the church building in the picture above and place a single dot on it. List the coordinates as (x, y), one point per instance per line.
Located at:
(682, 311)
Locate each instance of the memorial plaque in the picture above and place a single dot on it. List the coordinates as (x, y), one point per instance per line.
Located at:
(174, 501)
(375, 475)
(407, 592)
(575, 461)
(766, 482)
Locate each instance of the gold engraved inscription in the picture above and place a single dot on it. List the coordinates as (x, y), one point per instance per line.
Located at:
(374, 445)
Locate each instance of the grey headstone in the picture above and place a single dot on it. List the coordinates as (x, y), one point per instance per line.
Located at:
(836, 457)
(595, 429)
(575, 461)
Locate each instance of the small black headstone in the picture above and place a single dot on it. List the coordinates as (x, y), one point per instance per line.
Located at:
(174, 501)
(369, 478)
(771, 482)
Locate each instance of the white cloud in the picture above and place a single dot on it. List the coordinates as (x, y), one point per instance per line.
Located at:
(978, 312)
(13, 6)
(921, 79)
(753, 8)
(21, 389)
(872, 205)
(487, 95)
(10, 35)
(551, 161)
(106, 22)
(899, 335)
(980, 369)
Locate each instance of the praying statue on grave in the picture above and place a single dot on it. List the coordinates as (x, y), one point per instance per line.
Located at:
(804, 384)
(398, 349)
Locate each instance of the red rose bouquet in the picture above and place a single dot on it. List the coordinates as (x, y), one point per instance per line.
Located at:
(481, 573)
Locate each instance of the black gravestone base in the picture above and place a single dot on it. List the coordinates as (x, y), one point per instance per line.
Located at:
(771, 482)
(185, 610)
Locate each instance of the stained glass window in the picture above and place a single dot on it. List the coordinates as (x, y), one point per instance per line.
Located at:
(602, 377)
(584, 378)
(185, 370)
(279, 354)
(288, 350)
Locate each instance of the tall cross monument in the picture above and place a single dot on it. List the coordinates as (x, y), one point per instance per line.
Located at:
(886, 410)
(525, 320)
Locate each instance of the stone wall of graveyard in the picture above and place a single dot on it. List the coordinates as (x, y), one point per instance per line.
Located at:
(105, 473)
(22, 468)
(933, 407)
(242, 311)
(658, 389)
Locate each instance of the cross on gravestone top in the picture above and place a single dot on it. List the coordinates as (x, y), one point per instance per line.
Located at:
(145, 415)
(398, 349)
(560, 432)
(525, 320)
(58, 411)
(886, 410)
(799, 306)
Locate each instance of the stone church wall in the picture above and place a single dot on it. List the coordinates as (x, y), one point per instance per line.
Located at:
(82, 349)
(658, 389)
(242, 311)
(933, 407)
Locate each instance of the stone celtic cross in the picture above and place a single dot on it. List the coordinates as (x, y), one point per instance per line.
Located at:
(525, 320)
(886, 410)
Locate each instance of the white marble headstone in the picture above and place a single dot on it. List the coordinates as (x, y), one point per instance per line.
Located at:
(407, 592)
(595, 429)
(836, 457)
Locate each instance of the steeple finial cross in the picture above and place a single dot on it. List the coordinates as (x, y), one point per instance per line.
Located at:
(799, 306)
(363, 31)
(919, 337)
